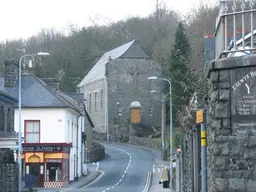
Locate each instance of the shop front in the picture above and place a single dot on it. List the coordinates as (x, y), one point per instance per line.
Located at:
(48, 164)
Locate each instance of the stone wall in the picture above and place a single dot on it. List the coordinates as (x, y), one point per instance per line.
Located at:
(97, 153)
(99, 136)
(8, 171)
(128, 82)
(231, 125)
(144, 142)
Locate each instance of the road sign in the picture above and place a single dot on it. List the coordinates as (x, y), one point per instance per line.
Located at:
(200, 116)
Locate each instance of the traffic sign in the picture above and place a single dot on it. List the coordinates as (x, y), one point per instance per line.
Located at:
(200, 116)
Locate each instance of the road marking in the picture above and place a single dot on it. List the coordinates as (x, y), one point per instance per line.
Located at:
(148, 182)
(127, 167)
(97, 166)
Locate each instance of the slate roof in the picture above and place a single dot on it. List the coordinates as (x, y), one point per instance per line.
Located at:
(7, 97)
(37, 94)
(129, 50)
(80, 98)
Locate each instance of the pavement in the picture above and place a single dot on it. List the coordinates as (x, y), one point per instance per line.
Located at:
(83, 181)
(158, 165)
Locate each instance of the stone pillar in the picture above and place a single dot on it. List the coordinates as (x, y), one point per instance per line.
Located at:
(8, 171)
(231, 125)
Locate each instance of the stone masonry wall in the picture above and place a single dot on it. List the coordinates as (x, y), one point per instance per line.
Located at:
(146, 142)
(8, 171)
(128, 82)
(231, 125)
(97, 153)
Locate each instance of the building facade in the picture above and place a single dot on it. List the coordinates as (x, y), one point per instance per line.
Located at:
(52, 124)
(119, 78)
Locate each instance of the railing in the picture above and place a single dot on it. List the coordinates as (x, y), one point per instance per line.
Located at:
(232, 15)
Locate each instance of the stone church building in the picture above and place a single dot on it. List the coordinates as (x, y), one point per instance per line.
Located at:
(117, 80)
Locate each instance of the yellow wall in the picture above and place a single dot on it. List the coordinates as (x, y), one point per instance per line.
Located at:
(40, 157)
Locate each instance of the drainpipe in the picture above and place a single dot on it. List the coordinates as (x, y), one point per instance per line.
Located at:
(82, 146)
(106, 107)
(80, 115)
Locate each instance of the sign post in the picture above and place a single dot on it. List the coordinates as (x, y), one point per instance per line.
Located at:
(201, 119)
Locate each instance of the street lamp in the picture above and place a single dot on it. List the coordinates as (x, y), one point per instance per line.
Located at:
(171, 134)
(163, 99)
(20, 134)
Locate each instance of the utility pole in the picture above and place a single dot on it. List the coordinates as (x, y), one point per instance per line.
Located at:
(200, 118)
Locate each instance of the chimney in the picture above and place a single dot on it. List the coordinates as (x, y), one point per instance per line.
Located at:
(52, 82)
(11, 73)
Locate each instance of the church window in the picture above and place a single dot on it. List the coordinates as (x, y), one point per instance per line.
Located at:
(150, 111)
(2, 118)
(101, 99)
(120, 110)
(9, 128)
(95, 101)
(90, 102)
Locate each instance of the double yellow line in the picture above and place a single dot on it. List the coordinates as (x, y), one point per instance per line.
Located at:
(149, 178)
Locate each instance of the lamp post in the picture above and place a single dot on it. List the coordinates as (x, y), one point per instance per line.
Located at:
(162, 132)
(171, 134)
(20, 134)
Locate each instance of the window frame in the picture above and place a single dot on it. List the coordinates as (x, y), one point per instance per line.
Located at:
(25, 130)
(151, 111)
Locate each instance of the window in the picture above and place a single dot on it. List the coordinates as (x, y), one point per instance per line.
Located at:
(9, 128)
(120, 110)
(32, 131)
(2, 118)
(72, 133)
(101, 99)
(150, 111)
(90, 103)
(95, 101)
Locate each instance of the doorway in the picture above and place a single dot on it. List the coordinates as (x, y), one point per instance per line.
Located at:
(37, 170)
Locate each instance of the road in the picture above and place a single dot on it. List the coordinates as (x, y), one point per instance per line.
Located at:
(124, 169)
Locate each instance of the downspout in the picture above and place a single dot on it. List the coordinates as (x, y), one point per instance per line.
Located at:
(106, 106)
(82, 147)
(80, 115)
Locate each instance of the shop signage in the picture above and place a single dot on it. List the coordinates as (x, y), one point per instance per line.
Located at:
(44, 148)
(243, 100)
(53, 160)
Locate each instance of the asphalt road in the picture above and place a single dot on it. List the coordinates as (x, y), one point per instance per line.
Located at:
(125, 169)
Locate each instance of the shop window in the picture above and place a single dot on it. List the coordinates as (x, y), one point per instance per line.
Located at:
(32, 131)
(53, 171)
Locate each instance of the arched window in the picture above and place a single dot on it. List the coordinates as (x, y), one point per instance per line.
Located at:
(1, 118)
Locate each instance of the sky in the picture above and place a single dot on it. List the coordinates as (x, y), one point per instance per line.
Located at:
(24, 18)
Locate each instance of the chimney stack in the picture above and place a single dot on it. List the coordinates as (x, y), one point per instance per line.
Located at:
(52, 82)
(11, 73)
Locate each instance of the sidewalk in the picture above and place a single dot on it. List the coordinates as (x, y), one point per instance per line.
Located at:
(85, 180)
(158, 165)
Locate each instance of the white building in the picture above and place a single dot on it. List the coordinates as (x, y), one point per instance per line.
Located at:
(52, 124)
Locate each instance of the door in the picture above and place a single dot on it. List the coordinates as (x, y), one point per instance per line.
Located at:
(37, 170)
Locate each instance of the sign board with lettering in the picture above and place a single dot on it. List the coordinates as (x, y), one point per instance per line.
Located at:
(44, 148)
(200, 116)
(243, 100)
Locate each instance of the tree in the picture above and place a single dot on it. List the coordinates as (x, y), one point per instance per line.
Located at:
(179, 70)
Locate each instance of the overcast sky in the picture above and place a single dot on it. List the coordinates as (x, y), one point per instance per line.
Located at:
(23, 18)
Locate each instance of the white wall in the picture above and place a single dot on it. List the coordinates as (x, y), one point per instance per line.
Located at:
(56, 127)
